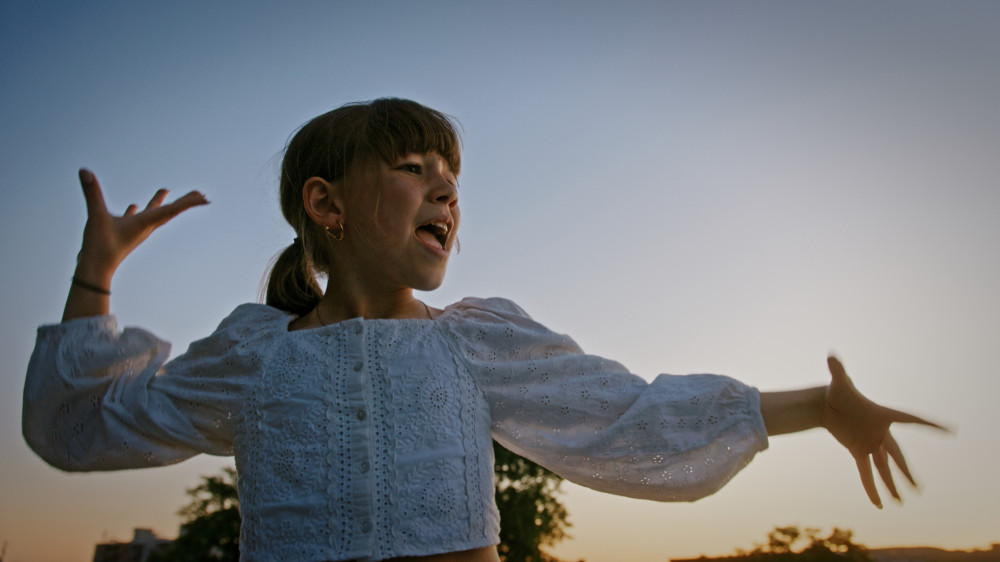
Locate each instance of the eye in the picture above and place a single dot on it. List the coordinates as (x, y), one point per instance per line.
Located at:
(411, 167)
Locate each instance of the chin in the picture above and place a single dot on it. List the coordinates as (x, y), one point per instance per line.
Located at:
(427, 285)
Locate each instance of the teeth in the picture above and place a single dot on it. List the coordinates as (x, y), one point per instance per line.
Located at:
(442, 226)
(439, 229)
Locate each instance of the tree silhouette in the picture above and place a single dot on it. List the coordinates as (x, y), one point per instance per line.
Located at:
(836, 547)
(212, 522)
(530, 515)
(780, 540)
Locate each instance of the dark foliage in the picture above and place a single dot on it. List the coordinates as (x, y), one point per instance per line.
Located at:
(781, 546)
(530, 515)
(212, 528)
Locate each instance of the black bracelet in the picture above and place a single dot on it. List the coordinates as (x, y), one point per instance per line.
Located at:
(89, 287)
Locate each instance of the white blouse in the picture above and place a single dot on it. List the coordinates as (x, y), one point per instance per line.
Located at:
(371, 439)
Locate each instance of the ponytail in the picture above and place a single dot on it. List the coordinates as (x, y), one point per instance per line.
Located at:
(292, 284)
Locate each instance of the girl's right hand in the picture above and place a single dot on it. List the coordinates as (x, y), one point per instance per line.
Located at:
(109, 239)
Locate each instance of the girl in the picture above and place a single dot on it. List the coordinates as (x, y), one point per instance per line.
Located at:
(361, 419)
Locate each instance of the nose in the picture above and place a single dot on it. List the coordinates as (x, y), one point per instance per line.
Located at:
(446, 193)
(444, 188)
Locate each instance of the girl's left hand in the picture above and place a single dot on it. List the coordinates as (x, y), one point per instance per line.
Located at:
(863, 427)
(108, 239)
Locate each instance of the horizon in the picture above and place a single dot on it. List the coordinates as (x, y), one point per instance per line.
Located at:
(735, 552)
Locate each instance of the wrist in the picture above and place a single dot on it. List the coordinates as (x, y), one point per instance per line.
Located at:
(794, 410)
(90, 287)
(91, 275)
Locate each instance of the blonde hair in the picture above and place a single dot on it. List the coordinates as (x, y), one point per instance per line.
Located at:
(340, 145)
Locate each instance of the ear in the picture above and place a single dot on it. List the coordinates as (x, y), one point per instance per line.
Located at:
(322, 201)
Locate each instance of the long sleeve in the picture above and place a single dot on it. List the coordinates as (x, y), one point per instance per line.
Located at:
(96, 398)
(678, 438)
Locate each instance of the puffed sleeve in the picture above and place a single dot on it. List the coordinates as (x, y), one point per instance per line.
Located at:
(97, 398)
(677, 438)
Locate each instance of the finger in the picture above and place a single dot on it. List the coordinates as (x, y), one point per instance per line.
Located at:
(190, 199)
(892, 448)
(868, 479)
(837, 369)
(903, 417)
(158, 198)
(881, 459)
(92, 193)
(162, 214)
(130, 210)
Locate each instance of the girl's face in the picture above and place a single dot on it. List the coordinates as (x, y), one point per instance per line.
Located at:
(405, 222)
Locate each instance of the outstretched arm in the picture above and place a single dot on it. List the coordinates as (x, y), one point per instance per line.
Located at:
(860, 425)
(108, 239)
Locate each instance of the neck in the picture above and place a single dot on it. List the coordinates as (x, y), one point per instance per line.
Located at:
(340, 305)
(355, 289)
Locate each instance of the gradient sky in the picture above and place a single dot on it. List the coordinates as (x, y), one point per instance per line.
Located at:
(729, 187)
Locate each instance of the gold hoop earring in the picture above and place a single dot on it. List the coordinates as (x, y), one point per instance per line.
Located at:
(336, 235)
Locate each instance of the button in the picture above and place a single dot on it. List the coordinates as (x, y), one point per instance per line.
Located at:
(365, 467)
(357, 329)
(358, 366)
(366, 526)
(362, 415)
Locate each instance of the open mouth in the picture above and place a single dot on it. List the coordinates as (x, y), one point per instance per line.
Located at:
(434, 231)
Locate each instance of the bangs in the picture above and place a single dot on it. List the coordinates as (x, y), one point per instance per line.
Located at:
(385, 129)
(397, 127)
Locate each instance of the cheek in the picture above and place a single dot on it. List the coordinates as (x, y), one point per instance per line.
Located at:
(387, 216)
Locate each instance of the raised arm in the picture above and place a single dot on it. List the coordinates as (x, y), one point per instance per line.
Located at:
(108, 239)
(860, 425)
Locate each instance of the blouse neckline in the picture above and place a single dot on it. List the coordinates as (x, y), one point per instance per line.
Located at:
(344, 324)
